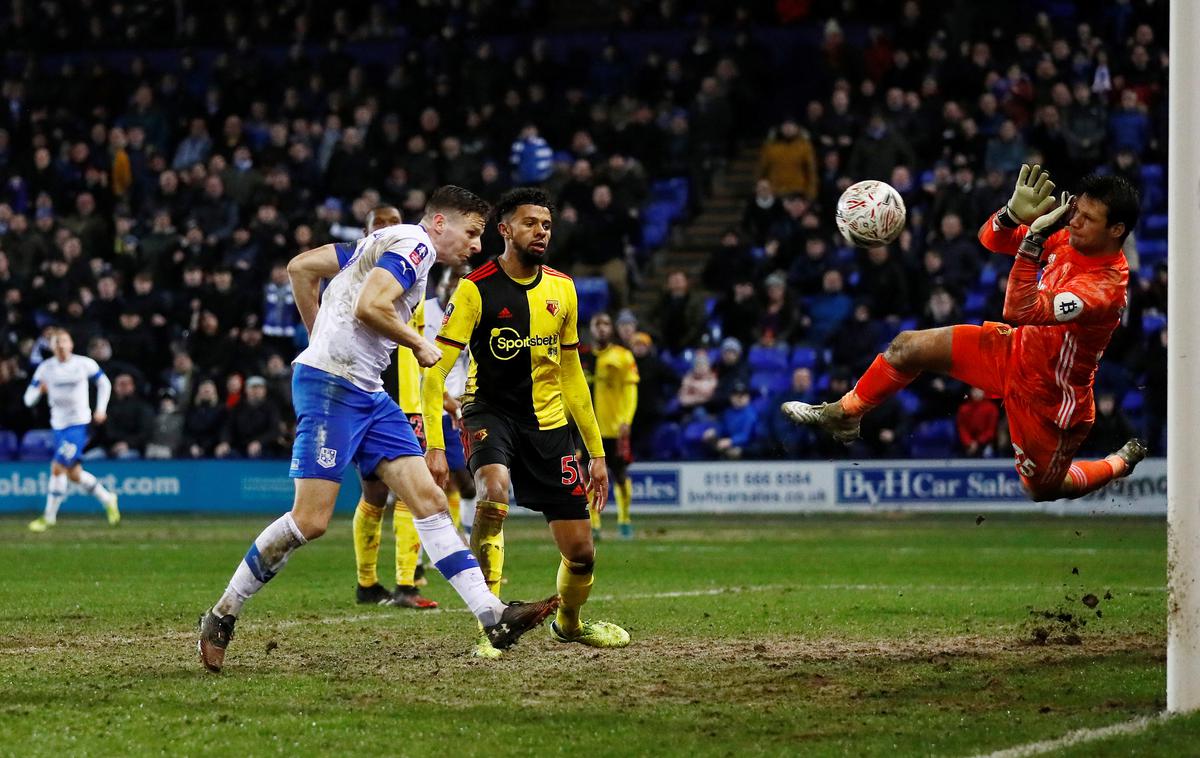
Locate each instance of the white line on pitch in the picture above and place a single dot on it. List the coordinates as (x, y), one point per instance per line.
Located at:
(1079, 737)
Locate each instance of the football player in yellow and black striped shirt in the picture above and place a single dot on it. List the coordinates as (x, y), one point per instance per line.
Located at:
(614, 389)
(520, 320)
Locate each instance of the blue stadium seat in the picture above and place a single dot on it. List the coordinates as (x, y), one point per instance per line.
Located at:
(907, 325)
(1153, 322)
(974, 304)
(1133, 403)
(1153, 172)
(1152, 251)
(1155, 225)
(987, 277)
(804, 356)
(909, 401)
(768, 358)
(656, 225)
(934, 439)
(1154, 197)
(593, 297)
(10, 446)
(37, 445)
(765, 383)
(672, 192)
(680, 363)
(667, 442)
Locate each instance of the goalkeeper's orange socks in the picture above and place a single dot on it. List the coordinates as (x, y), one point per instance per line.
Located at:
(1088, 476)
(880, 381)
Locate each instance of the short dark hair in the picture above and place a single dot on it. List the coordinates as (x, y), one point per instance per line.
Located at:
(515, 198)
(1121, 199)
(449, 197)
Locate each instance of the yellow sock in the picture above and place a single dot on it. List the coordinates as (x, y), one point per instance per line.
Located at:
(408, 544)
(574, 586)
(454, 504)
(624, 493)
(368, 526)
(594, 515)
(487, 541)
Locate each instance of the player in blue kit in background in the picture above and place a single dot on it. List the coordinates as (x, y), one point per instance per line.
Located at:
(63, 378)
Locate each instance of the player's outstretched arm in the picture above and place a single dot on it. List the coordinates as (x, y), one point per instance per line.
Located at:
(306, 271)
(376, 307)
(1033, 196)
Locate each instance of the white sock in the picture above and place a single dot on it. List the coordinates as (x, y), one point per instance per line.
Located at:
(92, 486)
(466, 510)
(265, 558)
(55, 495)
(453, 558)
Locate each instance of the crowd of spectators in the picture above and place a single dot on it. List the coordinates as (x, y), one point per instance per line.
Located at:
(150, 198)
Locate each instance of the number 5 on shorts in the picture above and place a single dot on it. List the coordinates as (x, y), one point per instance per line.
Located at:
(570, 473)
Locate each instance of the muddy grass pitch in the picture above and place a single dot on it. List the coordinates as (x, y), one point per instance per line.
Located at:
(916, 635)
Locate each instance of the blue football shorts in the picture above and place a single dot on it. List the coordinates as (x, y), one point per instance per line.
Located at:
(69, 443)
(338, 424)
(456, 458)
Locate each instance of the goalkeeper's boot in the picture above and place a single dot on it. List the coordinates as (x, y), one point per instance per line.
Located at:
(1132, 452)
(407, 596)
(111, 510)
(517, 619)
(39, 525)
(484, 649)
(215, 634)
(829, 417)
(592, 634)
(373, 595)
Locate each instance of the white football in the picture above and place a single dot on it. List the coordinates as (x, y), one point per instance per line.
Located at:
(870, 213)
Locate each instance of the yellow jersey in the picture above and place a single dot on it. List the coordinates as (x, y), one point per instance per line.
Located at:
(516, 332)
(614, 389)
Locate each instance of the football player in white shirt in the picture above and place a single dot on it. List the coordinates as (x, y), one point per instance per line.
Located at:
(63, 379)
(344, 416)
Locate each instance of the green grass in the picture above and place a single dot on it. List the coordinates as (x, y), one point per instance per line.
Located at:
(783, 636)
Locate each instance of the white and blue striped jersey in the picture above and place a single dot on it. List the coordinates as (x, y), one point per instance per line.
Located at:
(66, 385)
(341, 344)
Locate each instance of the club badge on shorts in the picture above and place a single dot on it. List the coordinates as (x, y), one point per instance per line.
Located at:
(327, 457)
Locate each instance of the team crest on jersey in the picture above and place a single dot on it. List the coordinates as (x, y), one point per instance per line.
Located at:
(327, 457)
(552, 306)
(418, 253)
(446, 315)
(480, 435)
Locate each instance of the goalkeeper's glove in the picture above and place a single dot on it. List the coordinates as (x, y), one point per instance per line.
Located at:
(1046, 225)
(1033, 196)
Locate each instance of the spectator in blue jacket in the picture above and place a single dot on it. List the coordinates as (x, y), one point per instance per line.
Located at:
(828, 310)
(1129, 126)
(532, 158)
(735, 429)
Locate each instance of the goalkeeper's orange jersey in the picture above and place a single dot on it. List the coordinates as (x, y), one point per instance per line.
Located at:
(1064, 320)
(614, 389)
